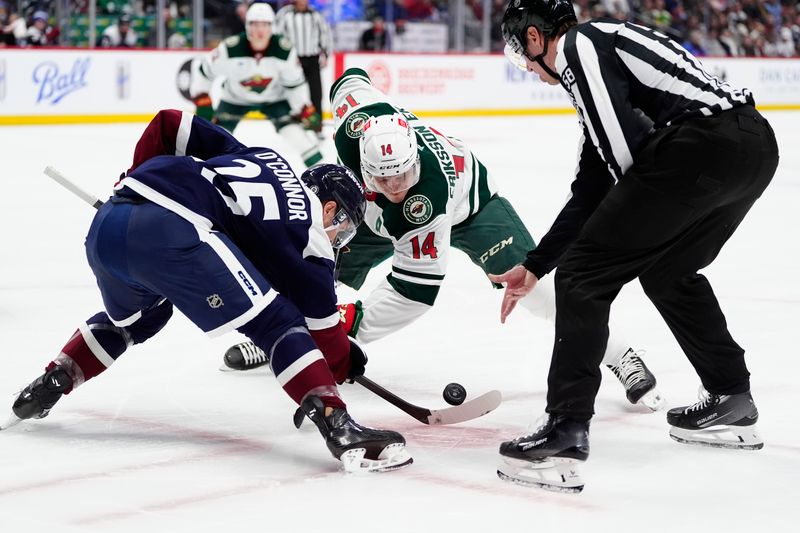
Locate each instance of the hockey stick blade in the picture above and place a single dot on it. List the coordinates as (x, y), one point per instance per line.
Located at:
(65, 182)
(469, 410)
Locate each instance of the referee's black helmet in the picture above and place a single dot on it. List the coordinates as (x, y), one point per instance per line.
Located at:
(548, 16)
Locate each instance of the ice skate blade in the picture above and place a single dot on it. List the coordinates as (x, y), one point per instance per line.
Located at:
(555, 474)
(653, 400)
(13, 420)
(393, 457)
(730, 437)
(225, 368)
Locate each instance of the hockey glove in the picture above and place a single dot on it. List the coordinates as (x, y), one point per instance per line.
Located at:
(204, 108)
(309, 118)
(350, 315)
(358, 361)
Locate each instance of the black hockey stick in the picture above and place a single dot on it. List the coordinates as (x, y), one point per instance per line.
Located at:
(469, 410)
(477, 407)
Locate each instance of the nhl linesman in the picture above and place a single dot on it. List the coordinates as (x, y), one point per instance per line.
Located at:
(670, 162)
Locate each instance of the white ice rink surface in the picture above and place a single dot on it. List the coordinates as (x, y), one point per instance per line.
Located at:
(164, 442)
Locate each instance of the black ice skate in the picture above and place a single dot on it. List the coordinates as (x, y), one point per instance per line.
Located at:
(548, 457)
(36, 400)
(359, 448)
(639, 382)
(244, 356)
(717, 420)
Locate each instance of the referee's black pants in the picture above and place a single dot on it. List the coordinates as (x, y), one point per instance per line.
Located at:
(668, 217)
(311, 70)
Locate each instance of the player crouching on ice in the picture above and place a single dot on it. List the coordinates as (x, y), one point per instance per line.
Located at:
(235, 240)
(427, 193)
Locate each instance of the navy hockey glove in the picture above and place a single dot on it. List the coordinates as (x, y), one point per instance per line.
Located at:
(350, 316)
(358, 361)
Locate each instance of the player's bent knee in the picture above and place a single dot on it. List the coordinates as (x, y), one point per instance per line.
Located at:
(272, 323)
(151, 322)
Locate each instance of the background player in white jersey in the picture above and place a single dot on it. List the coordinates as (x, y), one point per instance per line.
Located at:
(261, 72)
(235, 240)
(428, 192)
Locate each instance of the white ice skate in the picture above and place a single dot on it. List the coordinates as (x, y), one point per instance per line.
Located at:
(555, 474)
(639, 382)
(392, 457)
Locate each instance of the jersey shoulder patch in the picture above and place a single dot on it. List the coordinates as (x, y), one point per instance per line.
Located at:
(417, 209)
(279, 47)
(354, 124)
(232, 41)
(238, 46)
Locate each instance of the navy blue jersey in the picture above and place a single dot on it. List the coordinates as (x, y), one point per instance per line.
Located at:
(251, 195)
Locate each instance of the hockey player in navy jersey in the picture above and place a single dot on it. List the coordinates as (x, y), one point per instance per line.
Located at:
(235, 240)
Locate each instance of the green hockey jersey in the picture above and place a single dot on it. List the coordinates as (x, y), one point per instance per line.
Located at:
(251, 78)
(453, 186)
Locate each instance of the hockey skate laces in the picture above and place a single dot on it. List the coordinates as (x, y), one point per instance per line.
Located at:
(630, 366)
(251, 353)
(702, 404)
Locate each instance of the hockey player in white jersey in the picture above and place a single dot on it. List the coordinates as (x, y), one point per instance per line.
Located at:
(427, 192)
(262, 73)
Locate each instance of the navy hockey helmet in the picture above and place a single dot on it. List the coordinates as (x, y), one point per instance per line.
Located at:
(339, 184)
(548, 16)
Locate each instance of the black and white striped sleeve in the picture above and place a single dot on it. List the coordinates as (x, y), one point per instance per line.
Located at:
(601, 92)
(324, 32)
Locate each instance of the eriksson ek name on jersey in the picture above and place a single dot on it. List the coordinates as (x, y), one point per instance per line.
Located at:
(446, 162)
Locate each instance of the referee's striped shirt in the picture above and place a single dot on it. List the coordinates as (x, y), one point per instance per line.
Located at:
(307, 30)
(625, 80)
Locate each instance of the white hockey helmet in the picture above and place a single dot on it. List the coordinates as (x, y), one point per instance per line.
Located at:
(389, 155)
(260, 12)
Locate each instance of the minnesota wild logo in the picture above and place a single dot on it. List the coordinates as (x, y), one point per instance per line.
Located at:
(417, 209)
(257, 84)
(355, 125)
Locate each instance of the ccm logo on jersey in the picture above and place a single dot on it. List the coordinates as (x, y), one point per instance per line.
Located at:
(496, 248)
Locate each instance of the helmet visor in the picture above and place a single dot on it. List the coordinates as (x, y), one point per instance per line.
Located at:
(392, 184)
(344, 229)
(512, 40)
(515, 59)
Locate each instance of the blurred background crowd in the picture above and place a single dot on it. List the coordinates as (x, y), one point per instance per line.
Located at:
(758, 28)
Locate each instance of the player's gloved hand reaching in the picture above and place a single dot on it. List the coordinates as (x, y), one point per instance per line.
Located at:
(309, 118)
(346, 368)
(358, 361)
(344, 356)
(350, 315)
(204, 108)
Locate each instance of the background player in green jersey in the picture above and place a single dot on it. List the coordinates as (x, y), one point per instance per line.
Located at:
(261, 73)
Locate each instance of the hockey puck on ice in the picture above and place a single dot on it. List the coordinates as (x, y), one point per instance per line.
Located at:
(454, 394)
